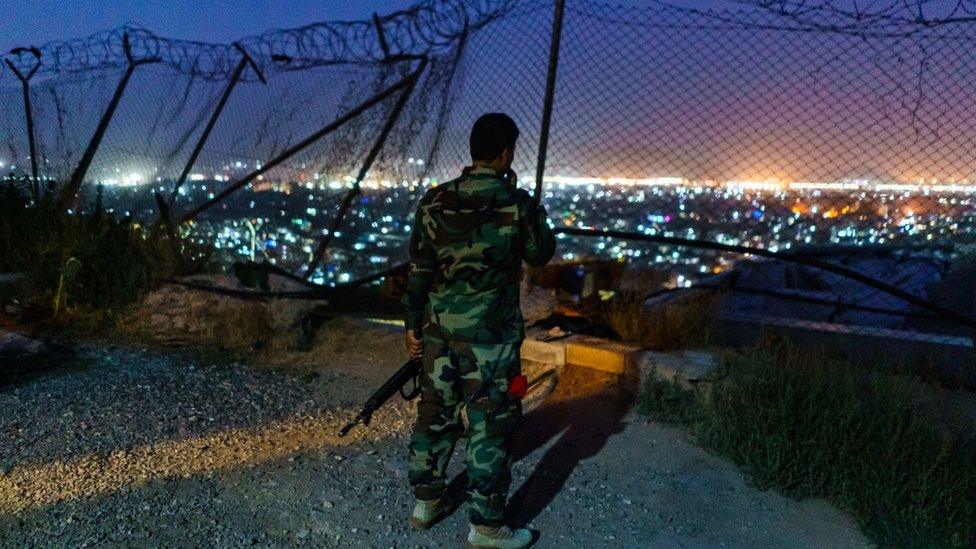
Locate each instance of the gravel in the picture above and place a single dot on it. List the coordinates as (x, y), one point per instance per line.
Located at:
(148, 447)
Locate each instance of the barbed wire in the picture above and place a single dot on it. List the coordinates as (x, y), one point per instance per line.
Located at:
(427, 27)
(880, 18)
(886, 19)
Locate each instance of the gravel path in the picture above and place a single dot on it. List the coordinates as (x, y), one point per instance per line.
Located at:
(148, 448)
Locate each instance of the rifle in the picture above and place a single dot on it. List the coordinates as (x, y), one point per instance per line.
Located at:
(409, 370)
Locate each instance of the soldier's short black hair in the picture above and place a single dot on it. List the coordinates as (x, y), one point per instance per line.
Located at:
(491, 134)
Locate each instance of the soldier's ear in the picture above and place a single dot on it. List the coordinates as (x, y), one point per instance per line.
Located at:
(509, 154)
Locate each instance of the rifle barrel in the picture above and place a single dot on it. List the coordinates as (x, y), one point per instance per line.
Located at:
(345, 430)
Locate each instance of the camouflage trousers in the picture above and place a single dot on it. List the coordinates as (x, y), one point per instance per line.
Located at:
(474, 377)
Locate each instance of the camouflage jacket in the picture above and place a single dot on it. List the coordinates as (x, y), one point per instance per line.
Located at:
(469, 239)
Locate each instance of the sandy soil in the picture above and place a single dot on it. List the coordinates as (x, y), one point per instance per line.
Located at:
(144, 447)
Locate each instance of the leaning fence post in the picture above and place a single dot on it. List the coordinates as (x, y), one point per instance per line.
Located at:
(301, 145)
(28, 111)
(234, 78)
(74, 185)
(364, 169)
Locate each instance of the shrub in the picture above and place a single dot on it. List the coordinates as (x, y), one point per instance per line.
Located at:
(822, 428)
(85, 261)
(678, 324)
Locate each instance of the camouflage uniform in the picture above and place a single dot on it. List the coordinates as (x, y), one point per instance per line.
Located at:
(469, 240)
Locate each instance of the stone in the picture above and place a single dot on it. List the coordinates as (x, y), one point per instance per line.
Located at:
(174, 312)
(14, 344)
(290, 314)
(11, 278)
(547, 352)
(684, 368)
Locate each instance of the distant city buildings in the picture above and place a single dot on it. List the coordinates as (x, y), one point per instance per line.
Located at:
(280, 218)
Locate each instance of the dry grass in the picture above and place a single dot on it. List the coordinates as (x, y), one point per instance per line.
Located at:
(680, 323)
(247, 327)
(344, 345)
(236, 332)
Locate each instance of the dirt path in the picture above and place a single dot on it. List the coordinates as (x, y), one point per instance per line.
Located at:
(145, 448)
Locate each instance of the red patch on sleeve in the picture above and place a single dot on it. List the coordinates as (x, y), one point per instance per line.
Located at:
(518, 386)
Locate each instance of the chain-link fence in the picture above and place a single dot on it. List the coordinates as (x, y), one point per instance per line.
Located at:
(839, 143)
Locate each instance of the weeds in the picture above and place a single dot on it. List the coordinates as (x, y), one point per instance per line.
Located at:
(676, 325)
(667, 402)
(849, 434)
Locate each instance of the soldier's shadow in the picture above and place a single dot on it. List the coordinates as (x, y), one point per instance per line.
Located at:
(584, 411)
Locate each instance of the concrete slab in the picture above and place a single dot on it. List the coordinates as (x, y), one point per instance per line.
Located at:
(548, 352)
(599, 354)
(950, 356)
(683, 368)
(543, 378)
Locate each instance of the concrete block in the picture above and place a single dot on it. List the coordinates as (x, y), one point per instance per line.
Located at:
(684, 368)
(599, 354)
(549, 352)
(543, 377)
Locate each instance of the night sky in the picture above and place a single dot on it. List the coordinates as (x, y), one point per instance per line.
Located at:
(658, 99)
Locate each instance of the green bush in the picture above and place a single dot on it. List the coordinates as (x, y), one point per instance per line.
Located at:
(89, 262)
(813, 427)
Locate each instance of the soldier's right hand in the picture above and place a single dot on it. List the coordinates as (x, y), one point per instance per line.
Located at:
(414, 344)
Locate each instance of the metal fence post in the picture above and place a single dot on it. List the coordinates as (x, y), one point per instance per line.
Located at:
(69, 194)
(234, 78)
(364, 169)
(294, 149)
(557, 31)
(28, 111)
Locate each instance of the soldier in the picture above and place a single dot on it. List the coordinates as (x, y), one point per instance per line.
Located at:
(469, 240)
